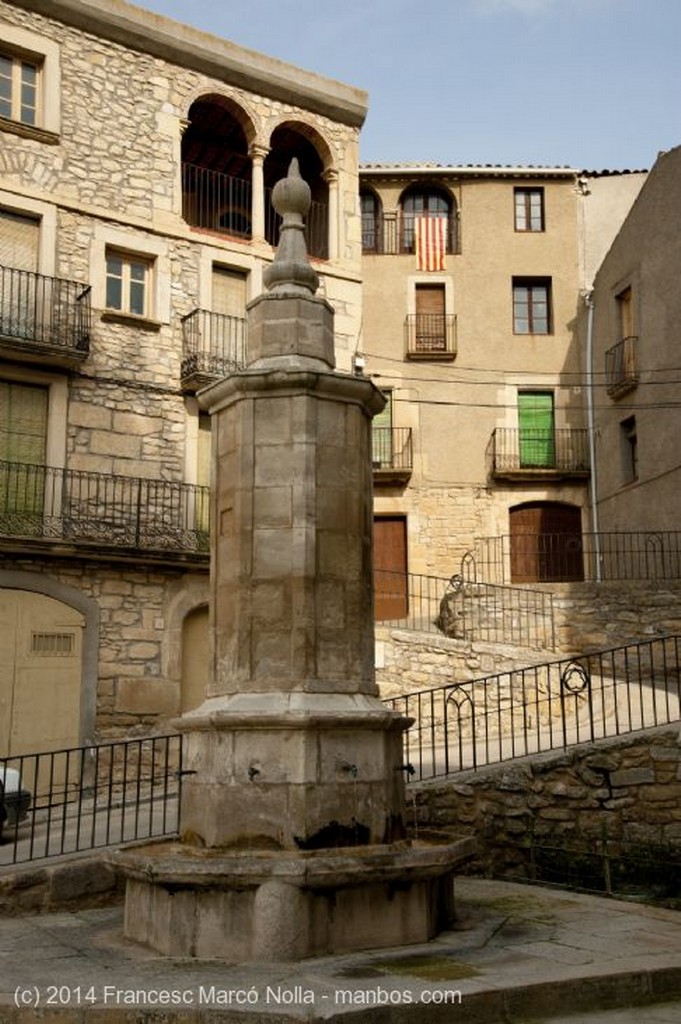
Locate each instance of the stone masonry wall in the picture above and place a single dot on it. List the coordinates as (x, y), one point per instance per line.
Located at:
(628, 788)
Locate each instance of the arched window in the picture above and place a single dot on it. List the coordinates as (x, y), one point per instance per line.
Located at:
(216, 168)
(297, 140)
(372, 221)
(431, 202)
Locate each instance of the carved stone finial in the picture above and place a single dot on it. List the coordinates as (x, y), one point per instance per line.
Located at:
(290, 271)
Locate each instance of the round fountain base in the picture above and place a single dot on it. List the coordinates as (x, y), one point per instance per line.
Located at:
(255, 905)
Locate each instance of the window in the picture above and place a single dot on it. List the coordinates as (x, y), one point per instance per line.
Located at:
(629, 449)
(625, 313)
(421, 203)
(370, 207)
(531, 305)
(30, 85)
(529, 209)
(23, 422)
(128, 284)
(19, 89)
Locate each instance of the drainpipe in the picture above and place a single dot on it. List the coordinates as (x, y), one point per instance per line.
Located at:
(588, 298)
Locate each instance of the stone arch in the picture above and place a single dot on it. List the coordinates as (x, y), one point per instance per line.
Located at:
(239, 109)
(217, 165)
(292, 138)
(38, 583)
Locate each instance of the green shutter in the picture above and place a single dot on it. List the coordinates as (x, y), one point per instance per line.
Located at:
(23, 433)
(382, 435)
(537, 444)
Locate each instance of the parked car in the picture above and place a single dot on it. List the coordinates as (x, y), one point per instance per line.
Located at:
(15, 801)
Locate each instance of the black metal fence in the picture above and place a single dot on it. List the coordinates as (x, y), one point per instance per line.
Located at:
(533, 451)
(635, 555)
(88, 797)
(73, 505)
(464, 609)
(213, 344)
(395, 235)
(430, 335)
(470, 724)
(38, 311)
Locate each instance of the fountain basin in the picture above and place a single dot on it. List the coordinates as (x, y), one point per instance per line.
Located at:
(254, 905)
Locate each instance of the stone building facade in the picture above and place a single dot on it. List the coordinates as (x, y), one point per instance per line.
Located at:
(472, 332)
(136, 167)
(636, 311)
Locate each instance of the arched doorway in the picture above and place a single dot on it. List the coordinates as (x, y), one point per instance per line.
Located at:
(195, 659)
(546, 542)
(216, 167)
(41, 649)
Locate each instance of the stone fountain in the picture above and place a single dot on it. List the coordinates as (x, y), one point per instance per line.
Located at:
(292, 831)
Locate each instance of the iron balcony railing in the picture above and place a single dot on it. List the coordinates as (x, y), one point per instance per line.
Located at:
(216, 201)
(621, 373)
(117, 511)
(41, 313)
(83, 798)
(463, 609)
(546, 707)
(392, 450)
(559, 557)
(214, 345)
(222, 203)
(316, 226)
(430, 335)
(394, 235)
(540, 451)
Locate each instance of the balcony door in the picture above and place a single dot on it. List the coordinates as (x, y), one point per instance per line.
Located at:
(430, 318)
(382, 436)
(536, 430)
(23, 448)
(19, 238)
(228, 305)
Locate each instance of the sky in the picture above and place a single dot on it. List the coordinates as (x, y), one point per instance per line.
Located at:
(590, 84)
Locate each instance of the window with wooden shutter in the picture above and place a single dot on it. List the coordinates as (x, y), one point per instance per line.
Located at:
(23, 422)
(19, 236)
(430, 318)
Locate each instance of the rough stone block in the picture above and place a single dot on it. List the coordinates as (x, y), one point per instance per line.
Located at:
(139, 696)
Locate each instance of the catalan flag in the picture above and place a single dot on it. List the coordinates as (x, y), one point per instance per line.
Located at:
(430, 237)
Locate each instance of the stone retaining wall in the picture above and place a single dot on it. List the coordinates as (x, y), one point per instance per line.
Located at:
(628, 788)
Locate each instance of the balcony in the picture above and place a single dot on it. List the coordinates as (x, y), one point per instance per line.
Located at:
(222, 204)
(213, 345)
(392, 454)
(430, 336)
(384, 235)
(44, 320)
(621, 374)
(75, 512)
(540, 454)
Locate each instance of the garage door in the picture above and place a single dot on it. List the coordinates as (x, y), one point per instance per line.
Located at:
(390, 568)
(546, 543)
(40, 673)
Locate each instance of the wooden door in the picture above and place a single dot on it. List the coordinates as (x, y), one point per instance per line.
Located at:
(391, 595)
(546, 543)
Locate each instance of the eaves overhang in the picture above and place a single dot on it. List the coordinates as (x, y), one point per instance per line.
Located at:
(133, 27)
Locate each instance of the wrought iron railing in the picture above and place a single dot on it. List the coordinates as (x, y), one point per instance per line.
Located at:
(558, 557)
(316, 226)
(39, 312)
(533, 451)
(391, 449)
(214, 344)
(621, 374)
(394, 235)
(216, 201)
(463, 609)
(430, 335)
(83, 798)
(117, 511)
(546, 707)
